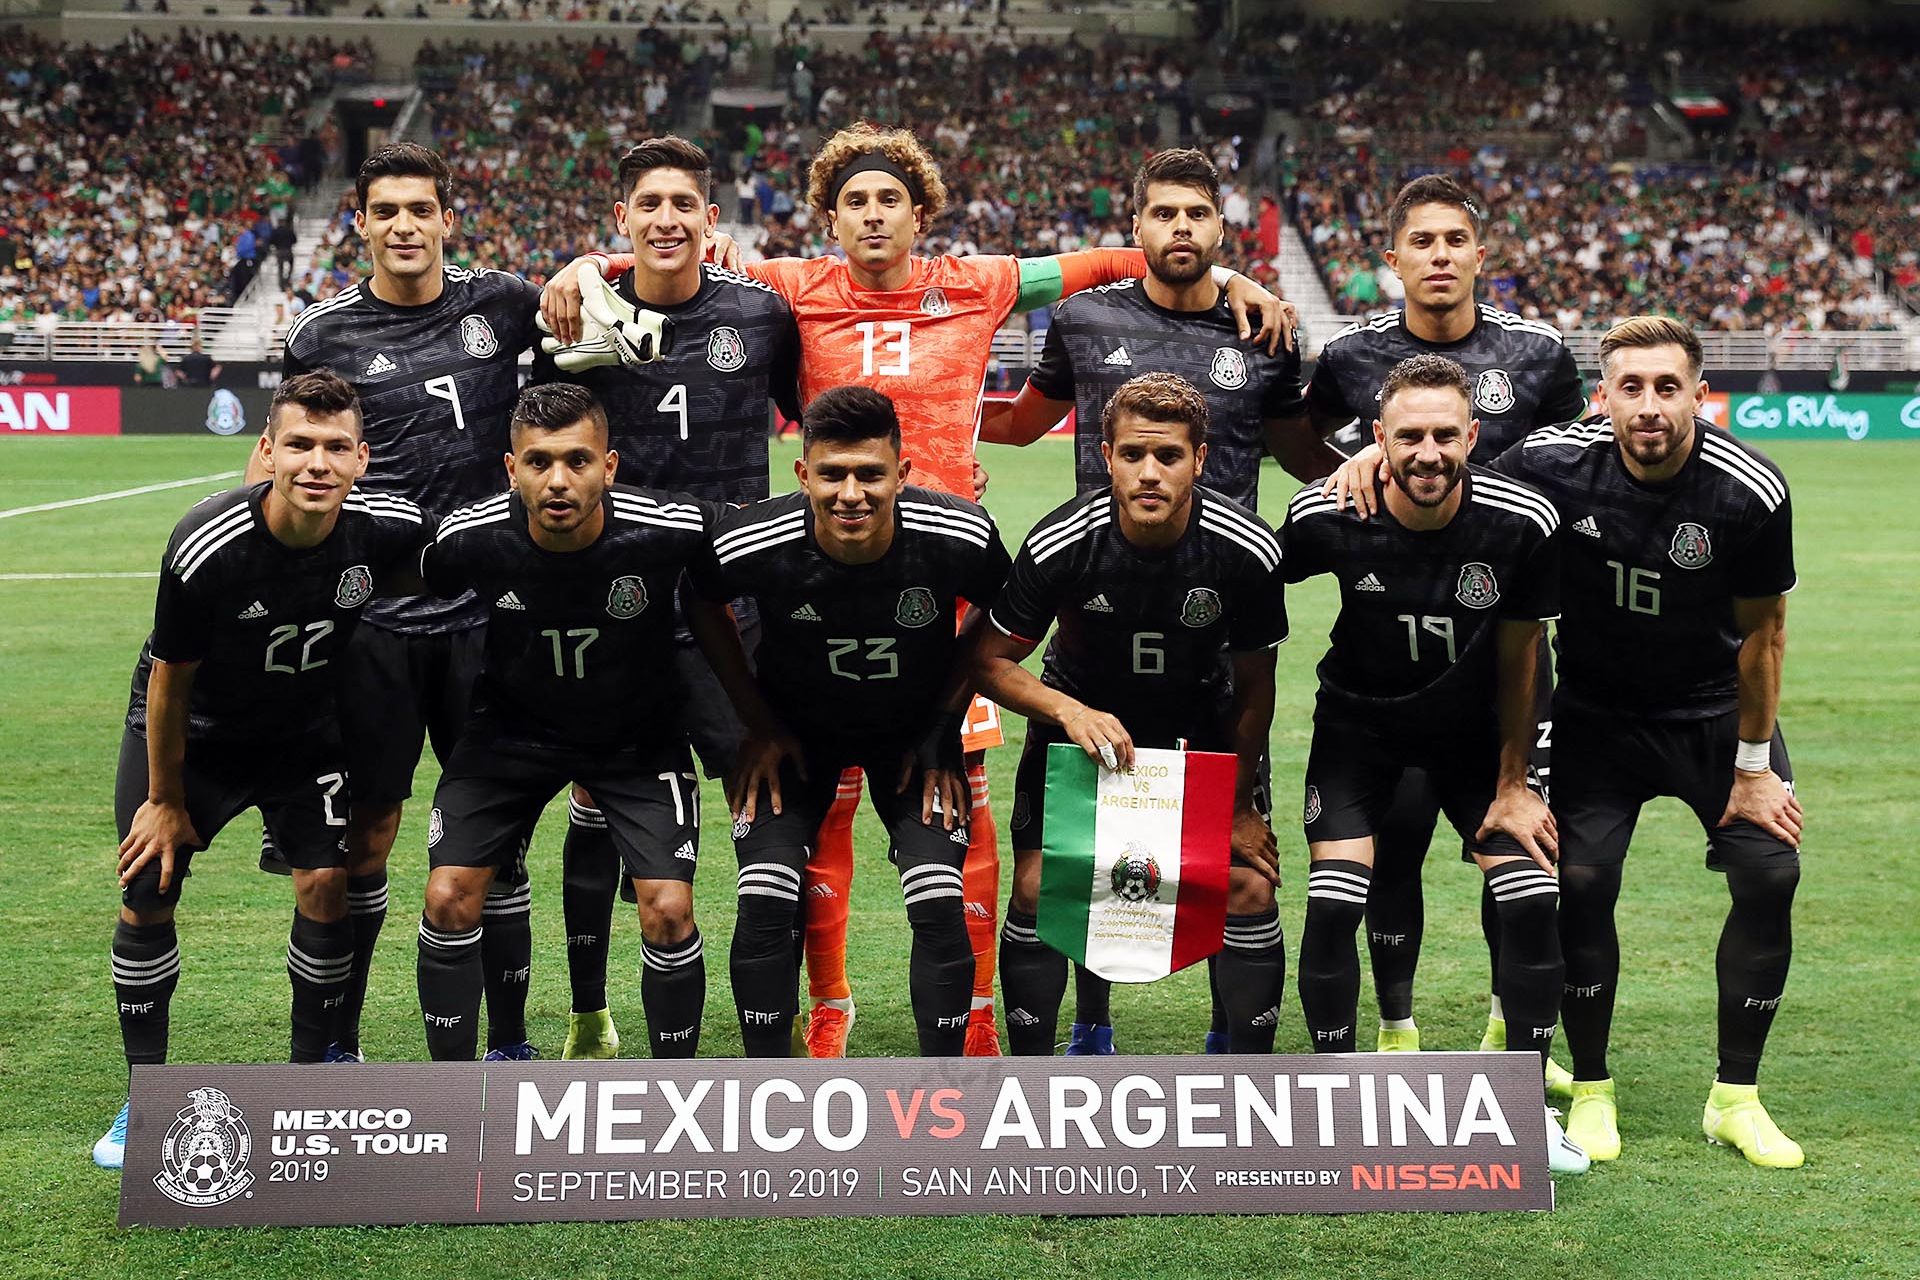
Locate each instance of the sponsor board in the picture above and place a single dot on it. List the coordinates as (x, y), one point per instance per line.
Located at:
(60, 411)
(732, 1138)
(1825, 417)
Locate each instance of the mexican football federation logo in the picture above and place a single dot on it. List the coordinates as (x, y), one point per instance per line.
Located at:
(726, 349)
(916, 608)
(1135, 876)
(934, 303)
(1691, 548)
(355, 589)
(204, 1160)
(1202, 608)
(1022, 811)
(1493, 393)
(477, 337)
(436, 827)
(1229, 371)
(1312, 811)
(1477, 589)
(626, 597)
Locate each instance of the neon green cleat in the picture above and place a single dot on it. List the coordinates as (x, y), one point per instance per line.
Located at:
(1397, 1040)
(1735, 1117)
(591, 1035)
(1558, 1079)
(1593, 1121)
(1494, 1038)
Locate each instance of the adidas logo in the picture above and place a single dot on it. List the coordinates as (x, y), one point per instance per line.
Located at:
(1119, 357)
(252, 611)
(686, 852)
(1369, 583)
(1098, 604)
(1586, 525)
(509, 601)
(379, 365)
(805, 613)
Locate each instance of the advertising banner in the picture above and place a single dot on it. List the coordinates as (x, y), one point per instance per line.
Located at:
(59, 411)
(1825, 417)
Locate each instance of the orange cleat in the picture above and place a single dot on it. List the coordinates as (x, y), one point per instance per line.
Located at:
(827, 1029)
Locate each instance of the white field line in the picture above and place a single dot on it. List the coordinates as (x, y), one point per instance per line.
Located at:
(117, 493)
(75, 577)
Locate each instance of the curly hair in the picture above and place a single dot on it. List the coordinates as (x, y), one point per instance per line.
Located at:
(898, 145)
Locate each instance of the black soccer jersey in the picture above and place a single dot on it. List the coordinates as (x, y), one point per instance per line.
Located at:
(265, 621)
(1649, 573)
(1103, 336)
(1145, 634)
(1523, 375)
(855, 654)
(578, 642)
(1416, 639)
(437, 385)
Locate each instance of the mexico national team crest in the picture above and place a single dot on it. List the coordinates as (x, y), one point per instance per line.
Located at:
(726, 349)
(356, 586)
(934, 303)
(1229, 371)
(916, 608)
(1135, 876)
(1311, 812)
(626, 597)
(1691, 548)
(204, 1161)
(1202, 608)
(1478, 588)
(476, 335)
(1493, 393)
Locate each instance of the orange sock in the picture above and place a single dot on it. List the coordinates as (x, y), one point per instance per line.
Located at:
(981, 875)
(828, 882)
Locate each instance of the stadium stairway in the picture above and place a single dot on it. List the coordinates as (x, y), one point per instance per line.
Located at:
(1301, 285)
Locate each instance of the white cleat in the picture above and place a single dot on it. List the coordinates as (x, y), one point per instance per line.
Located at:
(1563, 1157)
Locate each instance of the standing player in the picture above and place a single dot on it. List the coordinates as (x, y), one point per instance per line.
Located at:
(858, 578)
(1675, 573)
(582, 575)
(694, 421)
(1523, 377)
(1443, 596)
(232, 707)
(1168, 600)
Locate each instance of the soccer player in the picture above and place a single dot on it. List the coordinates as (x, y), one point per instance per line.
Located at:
(858, 578)
(1523, 377)
(1443, 596)
(232, 707)
(692, 421)
(1168, 602)
(1672, 638)
(581, 575)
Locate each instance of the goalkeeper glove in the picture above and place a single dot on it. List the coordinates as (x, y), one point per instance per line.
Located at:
(613, 330)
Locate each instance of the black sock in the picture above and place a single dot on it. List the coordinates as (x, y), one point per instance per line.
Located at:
(366, 914)
(506, 955)
(940, 968)
(1591, 945)
(764, 964)
(1531, 970)
(1329, 960)
(589, 879)
(1396, 919)
(1249, 973)
(1490, 930)
(146, 969)
(451, 980)
(319, 962)
(1092, 998)
(1033, 981)
(673, 990)
(1756, 947)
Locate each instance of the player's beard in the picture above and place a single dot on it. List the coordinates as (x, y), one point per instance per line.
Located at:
(1182, 270)
(1652, 451)
(1427, 496)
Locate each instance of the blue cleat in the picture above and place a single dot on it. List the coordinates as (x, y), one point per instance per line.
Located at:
(522, 1052)
(1217, 1042)
(1090, 1040)
(111, 1151)
(335, 1053)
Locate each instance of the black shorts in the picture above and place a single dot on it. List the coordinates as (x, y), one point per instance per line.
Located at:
(492, 793)
(299, 787)
(789, 837)
(403, 690)
(1609, 766)
(1354, 772)
(707, 714)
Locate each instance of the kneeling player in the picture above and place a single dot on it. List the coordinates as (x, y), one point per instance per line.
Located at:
(1154, 582)
(858, 579)
(1432, 667)
(232, 707)
(580, 574)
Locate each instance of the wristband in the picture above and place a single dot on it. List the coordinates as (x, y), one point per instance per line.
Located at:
(1223, 276)
(1753, 757)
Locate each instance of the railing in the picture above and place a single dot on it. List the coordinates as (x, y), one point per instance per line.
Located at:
(224, 332)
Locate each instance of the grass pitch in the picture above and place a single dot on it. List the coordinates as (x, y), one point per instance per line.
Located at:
(1839, 1075)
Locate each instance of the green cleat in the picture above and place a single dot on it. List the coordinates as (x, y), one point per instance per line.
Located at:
(1494, 1038)
(1593, 1121)
(1558, 1079)
(1735, 1117)
(591, 1035)
(1397, 1040)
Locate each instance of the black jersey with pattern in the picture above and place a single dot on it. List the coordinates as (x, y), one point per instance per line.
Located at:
(579, 650)
(857, 654)
(1145, 634)
(1522, 373)
(1103, 336)
(1649, 573)
(1415, 644)
(437, 385)
(266, 621)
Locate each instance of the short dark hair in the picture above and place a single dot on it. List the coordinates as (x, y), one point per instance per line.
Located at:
(404, 160)
(1435, 188)
(1181, 166)
(669, 152)
(850, 414)
(554, 406)
(321, 393)
(1428, 369)
(1158, 397)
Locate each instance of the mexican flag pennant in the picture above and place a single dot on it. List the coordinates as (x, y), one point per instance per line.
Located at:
(1133, 872)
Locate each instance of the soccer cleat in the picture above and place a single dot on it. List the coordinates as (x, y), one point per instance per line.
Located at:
(522, 1052)
(1494, 1038)
(111, 1151)
(1397, 1040)
(335, 1053)
(1593, 1121)
(590, 1035)
(1217, 1042)
(1558, 1079)
(1735, 1117)
(983, 1034)
(1563, 1154)
(1090, 1040)
(827, 1029)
